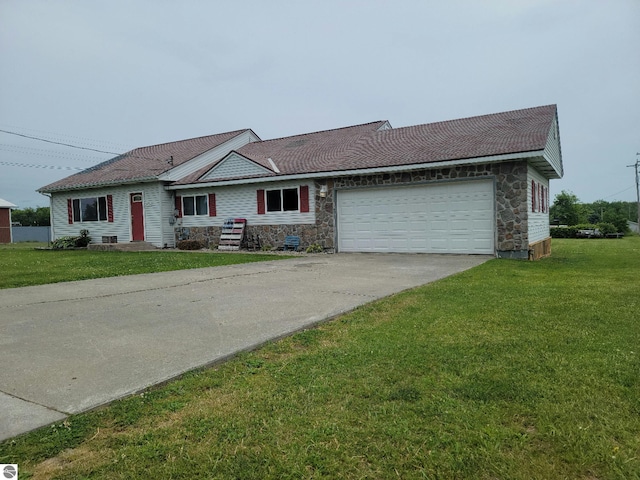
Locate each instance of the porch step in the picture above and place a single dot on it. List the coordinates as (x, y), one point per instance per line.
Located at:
(122, 247)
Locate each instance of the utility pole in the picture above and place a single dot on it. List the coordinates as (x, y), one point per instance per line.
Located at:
(635, 165)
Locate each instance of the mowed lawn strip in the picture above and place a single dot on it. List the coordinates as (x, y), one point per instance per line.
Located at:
(23, 265)
(518, 370)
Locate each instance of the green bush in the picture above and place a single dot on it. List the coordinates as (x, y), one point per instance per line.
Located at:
(607, 228)
(84, 239)
(314, 248)
(81, 241)
(564, 232)
(190, 245)
(571, 232)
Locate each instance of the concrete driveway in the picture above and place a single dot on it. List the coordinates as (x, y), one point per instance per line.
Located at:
(69, 347)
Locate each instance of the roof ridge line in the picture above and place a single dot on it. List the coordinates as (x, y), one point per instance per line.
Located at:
(188, 139)
(324, 131)
(474, 116)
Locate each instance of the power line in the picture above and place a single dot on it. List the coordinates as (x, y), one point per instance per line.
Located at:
(48, 153)
(618, 193)
(32, 165)
(61, 137)
(83, 148)
(57, 143)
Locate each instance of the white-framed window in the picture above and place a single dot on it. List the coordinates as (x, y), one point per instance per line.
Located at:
(539, 198)
(283, 200)
(195, 205)
(90, 209)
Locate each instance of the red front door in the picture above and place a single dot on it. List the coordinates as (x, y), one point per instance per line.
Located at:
(137, 217)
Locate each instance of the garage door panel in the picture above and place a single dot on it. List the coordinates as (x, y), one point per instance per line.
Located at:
(438, 218)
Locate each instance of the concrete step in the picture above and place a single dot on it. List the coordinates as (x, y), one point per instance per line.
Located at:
(122, 247)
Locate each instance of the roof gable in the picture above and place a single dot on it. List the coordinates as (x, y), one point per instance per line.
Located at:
(235, 165)
(142, 164)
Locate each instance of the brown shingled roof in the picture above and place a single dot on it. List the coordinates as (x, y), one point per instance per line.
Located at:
(349, 148)
(140, 164)
(364, 147)
(497, 134)
(288, 150)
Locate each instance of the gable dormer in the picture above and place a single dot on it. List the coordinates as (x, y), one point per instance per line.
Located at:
(235, 165)
(210, 156)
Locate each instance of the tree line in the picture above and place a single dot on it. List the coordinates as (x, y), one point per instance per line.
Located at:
(568, 210)
(31, 217)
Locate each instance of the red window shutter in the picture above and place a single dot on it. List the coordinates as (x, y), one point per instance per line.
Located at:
(70, 210)
(110, 208)
(212, 204)
(543, 203)
(261, 206)
(538, 197)
(304, 198)
(533, 195)
(179, 206)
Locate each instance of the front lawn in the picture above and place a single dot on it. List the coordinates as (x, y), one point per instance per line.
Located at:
(22, 264)
(512, 370)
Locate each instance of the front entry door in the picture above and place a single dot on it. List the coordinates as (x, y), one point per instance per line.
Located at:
(137, 217)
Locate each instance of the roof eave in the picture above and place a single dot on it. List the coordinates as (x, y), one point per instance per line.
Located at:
(366, 171)
(68, 188)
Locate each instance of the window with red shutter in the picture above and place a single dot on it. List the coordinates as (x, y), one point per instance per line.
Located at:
(212, 204)
(179, 206)
(70, 211)
(304, 198)
(261, 204)
(110, 208)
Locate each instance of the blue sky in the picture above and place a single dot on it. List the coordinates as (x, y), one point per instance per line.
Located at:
(121, 74)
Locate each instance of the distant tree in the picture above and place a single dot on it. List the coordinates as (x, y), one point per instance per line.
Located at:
(616, 213)
(567, 210)
(31, 217)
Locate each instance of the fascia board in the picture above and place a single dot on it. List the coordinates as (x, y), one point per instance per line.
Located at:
(364, 171)
(100, 185)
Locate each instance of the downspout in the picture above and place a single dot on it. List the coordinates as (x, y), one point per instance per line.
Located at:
(51, 224)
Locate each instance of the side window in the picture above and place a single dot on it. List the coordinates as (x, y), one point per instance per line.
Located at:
(195, 205)
(90, 209)
(283, 200)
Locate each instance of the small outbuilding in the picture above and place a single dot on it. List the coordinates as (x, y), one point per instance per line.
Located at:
(5, 221)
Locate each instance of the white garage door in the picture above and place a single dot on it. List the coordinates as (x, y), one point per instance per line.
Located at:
(435, 218)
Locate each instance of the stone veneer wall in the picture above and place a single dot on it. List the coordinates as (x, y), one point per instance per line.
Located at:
(511, 207)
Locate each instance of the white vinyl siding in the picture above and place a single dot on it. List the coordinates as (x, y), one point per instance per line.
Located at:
(235, 166)
(240, 201)
(447, 217)
(552, 151)
(157, 208)
(538, 220)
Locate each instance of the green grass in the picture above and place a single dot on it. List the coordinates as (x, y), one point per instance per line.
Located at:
(23, 265)
(512, 370)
